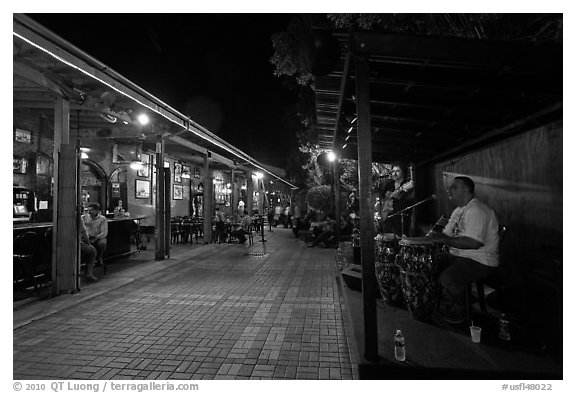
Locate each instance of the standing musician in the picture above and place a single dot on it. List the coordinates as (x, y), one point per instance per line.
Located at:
(397, 194)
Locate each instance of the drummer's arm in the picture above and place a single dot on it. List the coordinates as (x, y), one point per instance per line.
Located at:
(461, 242)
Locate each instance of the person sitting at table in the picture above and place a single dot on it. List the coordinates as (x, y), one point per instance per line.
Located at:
(472, 237)
(97, 229)
(119, 211)
(239, 230)
(325, 233)
(317, 222)
(303, 224)
(87, 253)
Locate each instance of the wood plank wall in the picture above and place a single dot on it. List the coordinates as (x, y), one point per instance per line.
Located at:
(521, 179)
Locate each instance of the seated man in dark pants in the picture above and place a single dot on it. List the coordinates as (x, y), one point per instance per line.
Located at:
(472, 236)
(303, 224)
(97, 228)
(326, 233)
(87, 253)
(239, 231)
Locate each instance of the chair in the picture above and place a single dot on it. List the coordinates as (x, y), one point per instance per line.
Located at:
(135, 233)
(43, 264)
(480, 294)
(186, 229)
(24, 257)
(230, 237)
(249, 233)
(175, 232)
(198, 229)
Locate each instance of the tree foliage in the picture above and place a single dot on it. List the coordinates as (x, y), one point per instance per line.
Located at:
(288, 56)
(320, 198)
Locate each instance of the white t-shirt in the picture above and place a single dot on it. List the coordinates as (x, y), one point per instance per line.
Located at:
(479, 222)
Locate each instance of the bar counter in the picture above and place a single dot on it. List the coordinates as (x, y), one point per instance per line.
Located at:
(119, 231)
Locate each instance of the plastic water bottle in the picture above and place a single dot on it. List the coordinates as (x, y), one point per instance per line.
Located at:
(399, 347)
(504, 330)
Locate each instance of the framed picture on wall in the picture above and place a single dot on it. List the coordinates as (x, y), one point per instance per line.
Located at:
(177, 172)
(186, 172)
(178, 192)
(22, 136)
(145, 171)
(20, 165)
(43, 165)
(115, 190)
(142, 189)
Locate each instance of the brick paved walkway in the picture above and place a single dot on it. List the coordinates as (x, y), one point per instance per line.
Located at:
(215, 312)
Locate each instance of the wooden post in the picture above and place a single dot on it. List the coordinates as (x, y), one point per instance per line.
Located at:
(260, 188)
(412, 224)
(167, 208)
(208, 200)
(233, 206)
(65, 239)
(160, 200)
(249, 192)
(366, 210)
(336, 169)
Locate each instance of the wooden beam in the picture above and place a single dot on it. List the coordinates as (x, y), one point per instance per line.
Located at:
(495, 83)
(343, 84)
(498, 54)
(40, 79)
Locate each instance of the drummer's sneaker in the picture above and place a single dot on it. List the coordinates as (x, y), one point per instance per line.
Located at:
(456, 315)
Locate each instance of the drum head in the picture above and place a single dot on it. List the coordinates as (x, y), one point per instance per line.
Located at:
(416, 241)
(386, 237)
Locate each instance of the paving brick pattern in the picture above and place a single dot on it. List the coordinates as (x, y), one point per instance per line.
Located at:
(219, 314)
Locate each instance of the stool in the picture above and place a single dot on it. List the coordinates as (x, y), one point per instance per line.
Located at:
(469, 299)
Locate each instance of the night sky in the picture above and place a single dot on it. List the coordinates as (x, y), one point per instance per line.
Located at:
(212, 67)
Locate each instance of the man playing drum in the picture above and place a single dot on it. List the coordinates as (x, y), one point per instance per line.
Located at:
(472, 237)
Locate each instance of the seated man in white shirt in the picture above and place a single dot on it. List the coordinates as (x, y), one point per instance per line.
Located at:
(472, 237)
(97, 228)
(87, 253)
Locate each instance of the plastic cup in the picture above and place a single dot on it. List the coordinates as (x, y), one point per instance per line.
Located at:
(475, 333)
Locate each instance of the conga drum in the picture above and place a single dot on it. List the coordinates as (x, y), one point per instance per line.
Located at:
(418, 264)
(387, 273)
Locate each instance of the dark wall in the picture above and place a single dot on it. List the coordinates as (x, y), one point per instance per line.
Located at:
(521, 179)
